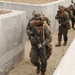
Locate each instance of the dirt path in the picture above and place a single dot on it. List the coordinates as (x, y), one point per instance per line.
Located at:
(26, 68)
(31, 1)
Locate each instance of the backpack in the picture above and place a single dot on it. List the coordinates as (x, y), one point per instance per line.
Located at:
(69, 12)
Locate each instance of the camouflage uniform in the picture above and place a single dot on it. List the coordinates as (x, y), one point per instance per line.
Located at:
(70, 15)
(44, 36)
(63, 19)
(71, 7)
(47, 20)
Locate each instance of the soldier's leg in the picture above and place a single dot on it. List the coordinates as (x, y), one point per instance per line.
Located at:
(43, 63)
(68, 26)
(73, 23)
(48, 51)
(59, 37)
(65, 32)
(43, 67)
(34, 55)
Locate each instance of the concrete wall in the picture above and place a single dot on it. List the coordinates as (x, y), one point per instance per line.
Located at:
(67, 64)
(48, 9)
(51, 10)
(12, 39)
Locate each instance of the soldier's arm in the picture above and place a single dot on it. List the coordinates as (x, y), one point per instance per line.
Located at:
(48, 36)
(28, 30)
(66, 18)
(56, 17)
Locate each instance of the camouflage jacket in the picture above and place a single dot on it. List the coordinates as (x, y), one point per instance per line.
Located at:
(44, 34)
(70, 12)
(62, 17)
(47, 20)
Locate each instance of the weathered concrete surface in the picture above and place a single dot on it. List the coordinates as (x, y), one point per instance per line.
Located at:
(12, 39)
(67, 64)
(49, 9)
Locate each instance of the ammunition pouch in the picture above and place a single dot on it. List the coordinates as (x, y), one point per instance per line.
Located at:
(49, 50)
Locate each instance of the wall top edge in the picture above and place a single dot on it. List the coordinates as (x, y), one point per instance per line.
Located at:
(55, 2)
(11, 13)
(34, 4)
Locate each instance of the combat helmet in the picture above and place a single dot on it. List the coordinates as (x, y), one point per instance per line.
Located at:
(38, 18)
(37, 15)
(61, 7)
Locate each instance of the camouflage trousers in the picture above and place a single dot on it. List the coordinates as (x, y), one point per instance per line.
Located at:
(73, 22)
(63, 30)
(38, 59)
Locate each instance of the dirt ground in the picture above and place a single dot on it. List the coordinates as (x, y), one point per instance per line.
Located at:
(26, 68)
(31, 1)
(4, 11)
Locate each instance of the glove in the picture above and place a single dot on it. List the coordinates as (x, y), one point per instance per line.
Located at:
(39, 45)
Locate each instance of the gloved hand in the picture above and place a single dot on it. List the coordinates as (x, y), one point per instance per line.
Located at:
(39, 45)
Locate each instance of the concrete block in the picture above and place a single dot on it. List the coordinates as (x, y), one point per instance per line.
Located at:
(18, 58)
(2, 5)
(49, 9)
(1, 71)
(67, 64)
(4, 69)
(11, 30)
(12, 39)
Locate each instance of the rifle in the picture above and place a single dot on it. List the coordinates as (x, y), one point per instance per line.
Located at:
(38, 42)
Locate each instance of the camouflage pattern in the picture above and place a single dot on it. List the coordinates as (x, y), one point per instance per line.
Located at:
(47, 21)
(63, 18)
(72, 9)
(69, 12)
(44, 35)
(62, 30)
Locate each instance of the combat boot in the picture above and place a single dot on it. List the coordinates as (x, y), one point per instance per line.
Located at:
(59, 44)
(65, 43)
(38, 69)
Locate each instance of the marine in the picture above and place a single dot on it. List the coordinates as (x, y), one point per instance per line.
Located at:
(63, 19)
(40, 37)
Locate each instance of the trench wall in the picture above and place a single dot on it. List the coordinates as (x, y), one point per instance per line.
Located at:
(12, 40)
(49, 9)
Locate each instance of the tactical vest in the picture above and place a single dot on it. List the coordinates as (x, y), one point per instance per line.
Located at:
(41, 34)
(61, 17)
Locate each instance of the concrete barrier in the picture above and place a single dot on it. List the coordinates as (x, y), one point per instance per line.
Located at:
(12, 39)
(49, 9)
(67, 64)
